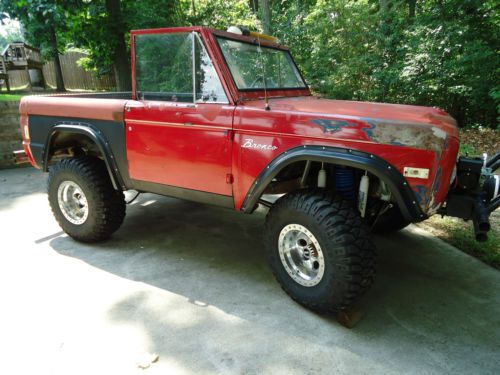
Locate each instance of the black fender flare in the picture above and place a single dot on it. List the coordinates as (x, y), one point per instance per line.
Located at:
(377, 166)
(97, 137)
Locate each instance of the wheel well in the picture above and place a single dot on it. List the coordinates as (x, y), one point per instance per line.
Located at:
(77, 140)
(304, 174)
(388, 175)
(339, 179)
(67, 144)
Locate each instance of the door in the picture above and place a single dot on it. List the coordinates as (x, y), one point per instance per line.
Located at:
(179, 130)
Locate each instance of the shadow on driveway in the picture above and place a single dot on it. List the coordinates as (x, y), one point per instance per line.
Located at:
(431, 310)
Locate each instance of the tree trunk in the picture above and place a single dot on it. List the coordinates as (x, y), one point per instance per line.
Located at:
(121, 62)
(254, 5)
(266, 16)
(384, 8)
(385, 18)
(57, 62)
(193, 5)
(412, 5)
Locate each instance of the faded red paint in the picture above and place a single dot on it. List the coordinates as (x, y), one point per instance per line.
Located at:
(180, 145)
(71, 106)
(291, 123)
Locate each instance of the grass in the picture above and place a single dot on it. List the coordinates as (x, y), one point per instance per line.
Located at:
(10, 97)
(466, 149)
(461, 235)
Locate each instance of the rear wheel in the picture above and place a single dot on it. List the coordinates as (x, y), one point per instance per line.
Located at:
(320, 250)
(83, 200)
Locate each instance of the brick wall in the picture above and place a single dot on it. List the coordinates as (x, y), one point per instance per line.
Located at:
(10, 133)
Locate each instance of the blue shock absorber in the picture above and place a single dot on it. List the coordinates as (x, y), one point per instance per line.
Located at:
(344, 182)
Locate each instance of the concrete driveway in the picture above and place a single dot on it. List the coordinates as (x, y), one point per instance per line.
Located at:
(190, 283)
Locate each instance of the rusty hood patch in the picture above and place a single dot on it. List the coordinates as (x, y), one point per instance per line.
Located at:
(396, 133)
(421, 136)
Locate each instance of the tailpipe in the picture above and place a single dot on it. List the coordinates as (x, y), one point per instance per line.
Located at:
(479, 235)
(481, 221)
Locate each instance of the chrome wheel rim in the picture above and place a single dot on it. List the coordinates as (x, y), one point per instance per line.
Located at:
(72, 202)
(301, 255)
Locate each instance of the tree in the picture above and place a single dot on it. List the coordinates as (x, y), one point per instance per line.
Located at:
(435, 52)
(427, 52)
(102, 27)
(11, 32)
(412, 7)
(43, 22)
(266, 16)
(221, 14)
(119, 49)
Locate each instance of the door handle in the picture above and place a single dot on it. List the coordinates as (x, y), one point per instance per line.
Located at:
(185, 105)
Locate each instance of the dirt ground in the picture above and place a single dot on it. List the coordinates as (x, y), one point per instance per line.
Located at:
(481, 140)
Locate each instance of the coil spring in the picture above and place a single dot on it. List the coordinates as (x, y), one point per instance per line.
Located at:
(344, 182)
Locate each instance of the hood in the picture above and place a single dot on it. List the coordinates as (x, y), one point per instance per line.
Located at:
(372, 113)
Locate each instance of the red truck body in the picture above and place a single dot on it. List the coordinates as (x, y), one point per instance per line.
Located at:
(203, 147)
(227, 119)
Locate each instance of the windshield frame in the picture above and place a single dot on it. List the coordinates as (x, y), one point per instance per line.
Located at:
(263, 44)
(256, 43)
(208, 36)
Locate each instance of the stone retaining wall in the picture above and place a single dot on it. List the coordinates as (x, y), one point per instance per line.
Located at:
(10, 133)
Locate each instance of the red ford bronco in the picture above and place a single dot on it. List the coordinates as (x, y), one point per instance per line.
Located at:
(226, 118)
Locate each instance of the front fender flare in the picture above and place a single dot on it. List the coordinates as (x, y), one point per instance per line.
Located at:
(97, 137)
(377, 166)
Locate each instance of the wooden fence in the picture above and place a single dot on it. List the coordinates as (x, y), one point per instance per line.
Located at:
(75, 77)
(17, 79)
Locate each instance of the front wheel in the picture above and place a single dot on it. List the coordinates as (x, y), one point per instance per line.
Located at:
(320, 250)
(83, 200)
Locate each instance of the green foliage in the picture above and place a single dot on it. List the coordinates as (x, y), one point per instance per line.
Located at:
(495, 95)
(467, 150)
(43, 21)
(222, 14)
(90, 23)
(445, 56)
(11, 34)
(450, 60)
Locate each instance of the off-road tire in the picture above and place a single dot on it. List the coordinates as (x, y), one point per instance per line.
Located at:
(106, 206)
(344, 238)
(390, 221)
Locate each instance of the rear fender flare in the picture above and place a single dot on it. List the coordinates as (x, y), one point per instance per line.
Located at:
(97, 137)
(377, 166)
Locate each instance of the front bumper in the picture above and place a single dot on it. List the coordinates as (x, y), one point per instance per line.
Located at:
(475, 193)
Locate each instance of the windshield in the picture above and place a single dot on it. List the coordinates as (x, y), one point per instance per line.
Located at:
(249, 67)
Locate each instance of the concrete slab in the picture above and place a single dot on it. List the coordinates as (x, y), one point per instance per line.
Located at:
(190, 282)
